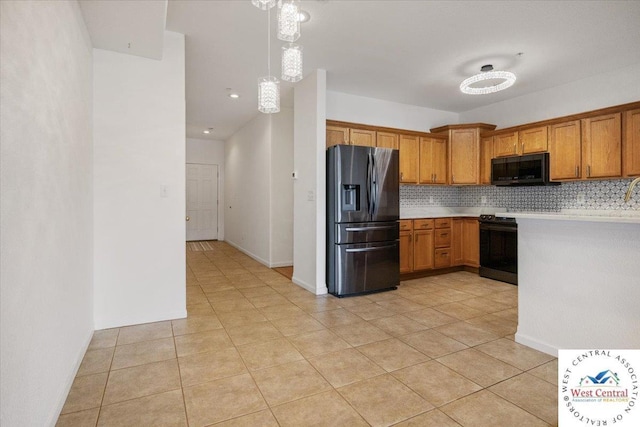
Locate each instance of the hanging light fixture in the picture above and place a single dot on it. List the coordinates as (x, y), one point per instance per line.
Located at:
(487, 73)
(292, 62)
(263, 4)
(268, 86)
(288, 20)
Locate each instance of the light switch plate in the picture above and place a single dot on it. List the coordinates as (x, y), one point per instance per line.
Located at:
(581, 199)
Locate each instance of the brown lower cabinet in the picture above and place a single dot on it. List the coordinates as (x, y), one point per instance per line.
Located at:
(471, 242)
(427, 244)
(423, 250)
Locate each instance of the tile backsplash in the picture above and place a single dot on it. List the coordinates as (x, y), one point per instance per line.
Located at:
(598, 195)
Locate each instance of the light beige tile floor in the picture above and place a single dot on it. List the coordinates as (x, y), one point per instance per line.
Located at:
(257, 350)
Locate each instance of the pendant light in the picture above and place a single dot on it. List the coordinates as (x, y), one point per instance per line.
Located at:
(487, 73)
(288, 20)
(268, 86)
(292, 63)
(263, 4)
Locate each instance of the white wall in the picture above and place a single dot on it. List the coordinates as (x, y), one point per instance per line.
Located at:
(581, 290)
(377, 112)
(309, 189)
(282, 188)
(247, 188)
(210, 152)
(604, 90)
(139, 137)
(46, 300)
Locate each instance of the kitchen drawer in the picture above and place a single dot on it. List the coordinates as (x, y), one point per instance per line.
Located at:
(442, 258)
(443, 238)
(423, 224)
(443, 222)
(406, 225)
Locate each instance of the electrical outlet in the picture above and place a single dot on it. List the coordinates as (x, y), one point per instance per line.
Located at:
(483, 200)
(310, 196)
(431, 199)
(581, 199)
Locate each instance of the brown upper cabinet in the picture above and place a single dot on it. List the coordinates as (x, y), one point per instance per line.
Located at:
(486, 154)
(387, 140)
(599, 144)
(409, 159)
(564, 151)
(602, 146)
(337, 135)
(632, 143)
(516, 143)
(362, 137)
(505, 144)
(433, 160)
(464, 151)
(534, 140)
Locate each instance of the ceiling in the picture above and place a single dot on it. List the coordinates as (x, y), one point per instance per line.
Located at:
(412, 52)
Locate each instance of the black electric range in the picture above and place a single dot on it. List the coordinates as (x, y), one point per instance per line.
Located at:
(499, 248)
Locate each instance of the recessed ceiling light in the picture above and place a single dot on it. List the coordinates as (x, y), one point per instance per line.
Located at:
(303, 16)
(207, 131)
(234, 95)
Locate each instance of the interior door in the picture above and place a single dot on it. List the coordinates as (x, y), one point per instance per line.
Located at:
(202, 202)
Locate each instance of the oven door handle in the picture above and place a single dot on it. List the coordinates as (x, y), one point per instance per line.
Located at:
(498, 228)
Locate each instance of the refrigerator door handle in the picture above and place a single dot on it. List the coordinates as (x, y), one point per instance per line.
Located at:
(385, 227)
(374, 185)
(369, 180)
(377, 248)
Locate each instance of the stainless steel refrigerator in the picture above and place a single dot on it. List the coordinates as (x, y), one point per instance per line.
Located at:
(363, 209)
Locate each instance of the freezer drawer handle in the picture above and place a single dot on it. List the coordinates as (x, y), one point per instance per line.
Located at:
(382, 227)
(377, 248)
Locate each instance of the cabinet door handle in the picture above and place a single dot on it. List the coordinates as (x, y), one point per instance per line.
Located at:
(515, 148)
(588, 171)
(577, 171)
(410, 238)
(523, 148)
(444, 234)
(453, 179)
(433, 177)
(401, 176)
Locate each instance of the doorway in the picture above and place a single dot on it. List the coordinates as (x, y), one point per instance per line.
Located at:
(202, 202)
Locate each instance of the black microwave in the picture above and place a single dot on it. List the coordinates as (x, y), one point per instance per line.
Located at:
(531, 169)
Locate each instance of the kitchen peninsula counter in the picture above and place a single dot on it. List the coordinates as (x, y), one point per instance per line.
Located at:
(618, 216)
(579, 279)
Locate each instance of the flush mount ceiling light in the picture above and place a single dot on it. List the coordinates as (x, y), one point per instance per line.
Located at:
(487, 73)
(207, 131)
(234, 95)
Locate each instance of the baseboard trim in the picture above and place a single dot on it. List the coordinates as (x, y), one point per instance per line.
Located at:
(536, 344)
(173, 315)
(250, 254)
(62, 398)
(308, 286)
(281, 264)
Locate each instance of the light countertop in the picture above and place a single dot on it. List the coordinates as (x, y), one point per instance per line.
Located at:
(444, 212)
(613, 216)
